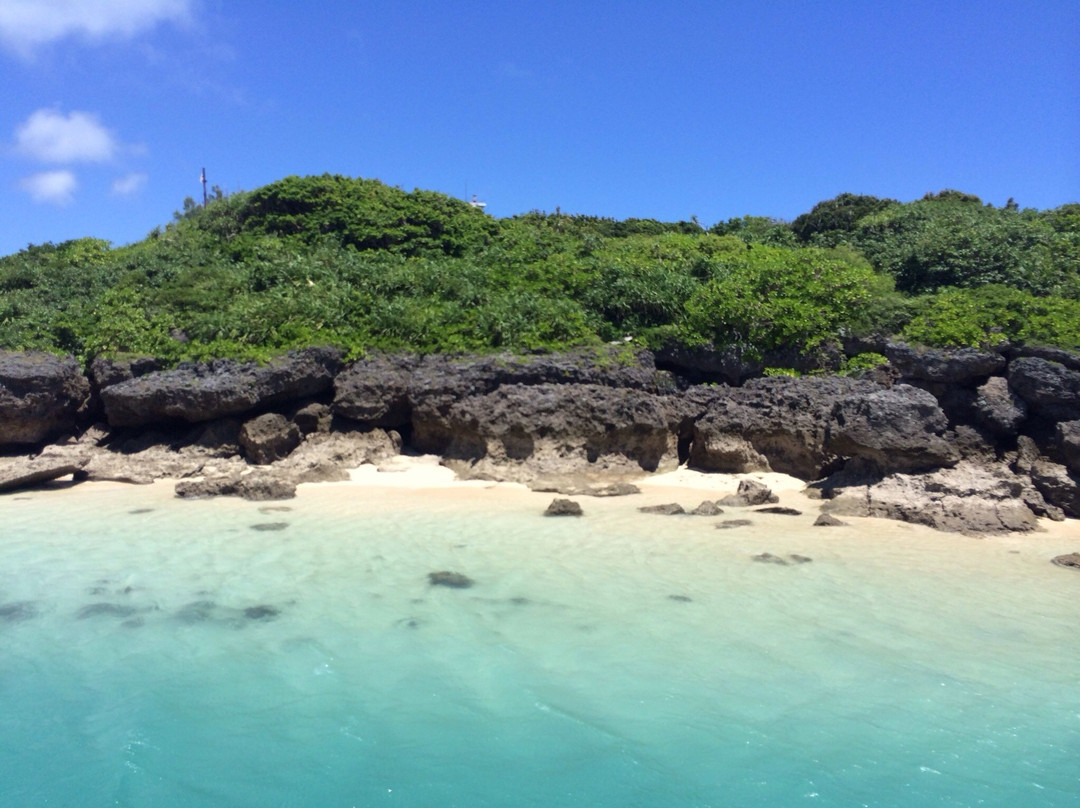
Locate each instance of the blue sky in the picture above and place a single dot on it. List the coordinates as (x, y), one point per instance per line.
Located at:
(648, 109)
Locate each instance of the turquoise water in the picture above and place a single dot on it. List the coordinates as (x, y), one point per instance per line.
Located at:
(155, 652)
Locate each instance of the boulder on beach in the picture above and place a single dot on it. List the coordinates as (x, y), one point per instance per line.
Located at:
(563, 507)
(749, 493)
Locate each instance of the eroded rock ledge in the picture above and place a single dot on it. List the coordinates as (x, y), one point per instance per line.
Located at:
(974, 441)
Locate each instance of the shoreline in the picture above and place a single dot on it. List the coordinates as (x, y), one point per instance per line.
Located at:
(419, 482)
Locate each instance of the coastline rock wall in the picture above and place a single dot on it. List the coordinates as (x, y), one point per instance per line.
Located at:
(884, 443)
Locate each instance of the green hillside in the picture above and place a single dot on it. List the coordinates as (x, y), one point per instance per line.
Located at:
(354, 262)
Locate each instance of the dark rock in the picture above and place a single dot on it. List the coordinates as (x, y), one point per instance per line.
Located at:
(563, 507)
(17, 611)
(1066, 358)
(268, 526)
(314, 417)
(769, 558)
(667, 509)
(781, 510)
(40, 396)
(998, 408)
(729, 524)
(1058, 487)
(1068, 443)
(383, 390)
(106, 372)
(770, 424)
(261, 612)
(897, 430)
(202, 392)
(1049, 388)
(964, 366)
(1068, 560)
(453, 580)
(800, 559)
(707, 508)
(105, 610)
(268, 437)
(828, 520)
(548, 430)
(749, 493)
(680, 598)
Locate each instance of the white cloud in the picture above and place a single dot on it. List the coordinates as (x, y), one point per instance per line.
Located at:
(53, 187)
(51, 137)
(129, 184)
(28, 24)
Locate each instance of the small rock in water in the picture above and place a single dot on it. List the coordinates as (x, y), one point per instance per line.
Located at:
(769, 558)
(105, 609)
(520, 601)
(134, 622)
(275, 508)
(1068, 560)
(667, 509)
(828, 520)
(800, 559)
(141, 510)
(17, 611)
(261, 612)
(563, 507)
(728, 524)
(680, 598)
(409, 622)
(454, 580)
(264, 526)
(780, 509)
(197, 612)
(707, 508)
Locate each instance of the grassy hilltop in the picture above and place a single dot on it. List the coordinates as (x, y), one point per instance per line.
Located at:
(354, 262)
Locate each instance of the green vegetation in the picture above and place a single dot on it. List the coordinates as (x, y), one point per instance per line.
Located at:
(353, 262)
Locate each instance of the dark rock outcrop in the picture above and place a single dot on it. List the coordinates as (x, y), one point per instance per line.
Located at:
(201, 392)
(268, 437)
(896, 430)
(40, 396)
(965, 366)
(828, 520)
(998, 408)
(1049, 388)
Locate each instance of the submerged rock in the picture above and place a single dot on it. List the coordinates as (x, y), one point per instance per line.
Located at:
(17, 611)
(261, 612)
(453, 580)
(680, 598)
(769, 558)
(781, 510)
(828, 520)
(198, 611)
(800, 559)
(563, 507)
(1068, 560)
(105, 610)
(269, 526)
(667, 509)
(728, 524)
(707, 508)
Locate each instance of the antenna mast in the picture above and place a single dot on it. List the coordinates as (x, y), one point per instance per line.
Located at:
(202, 179)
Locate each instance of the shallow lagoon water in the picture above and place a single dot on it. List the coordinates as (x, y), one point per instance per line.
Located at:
(156, 652)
